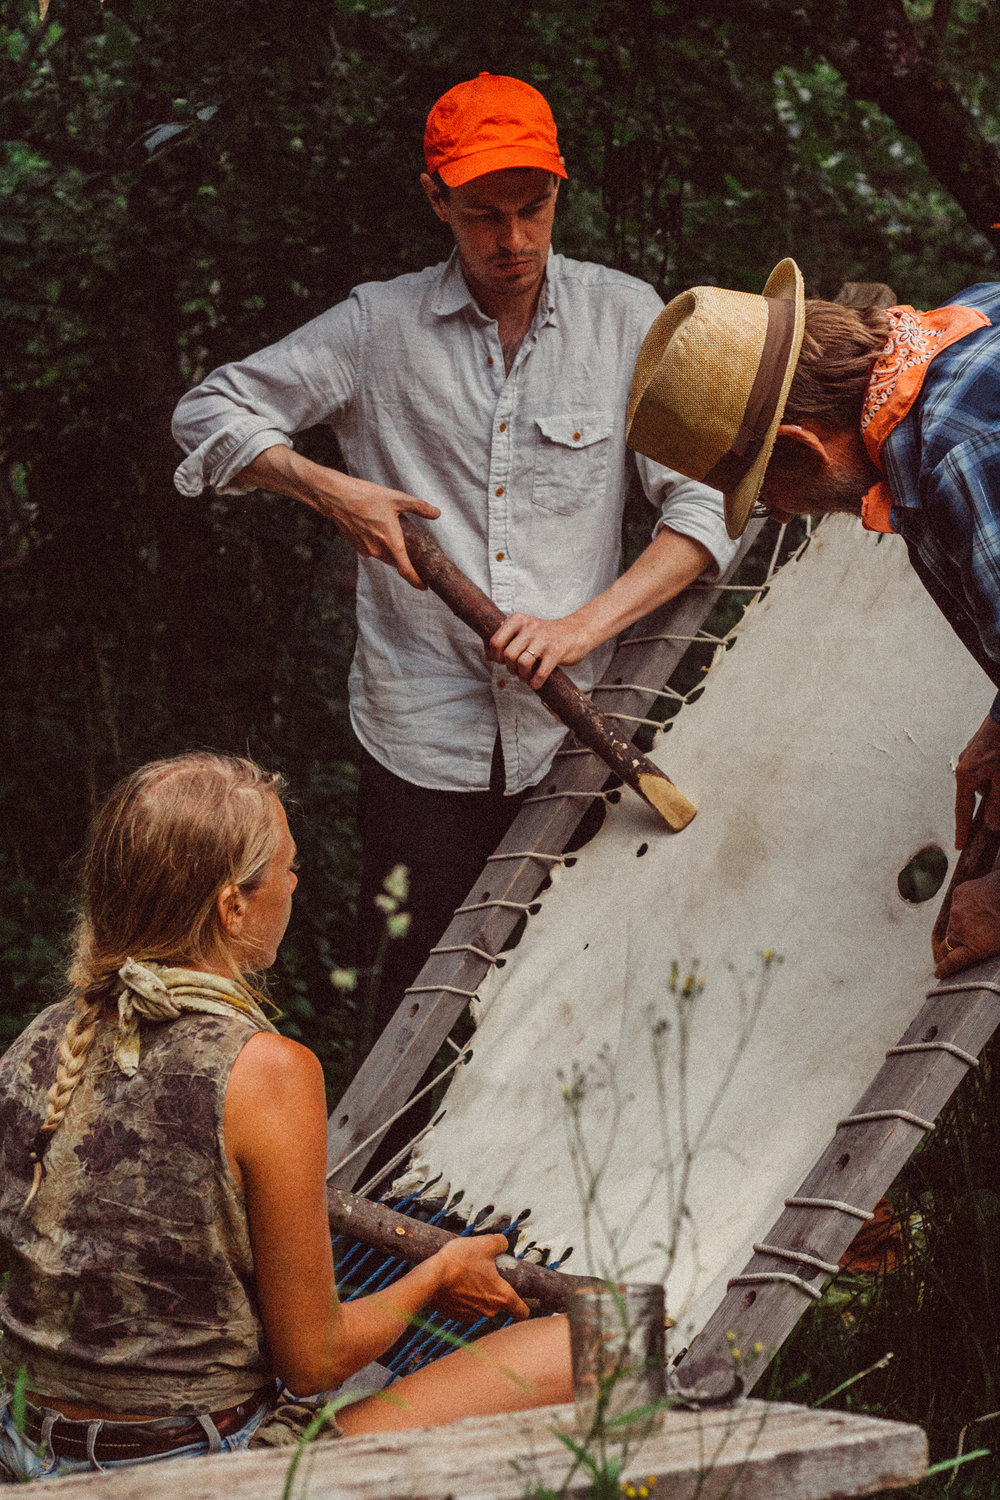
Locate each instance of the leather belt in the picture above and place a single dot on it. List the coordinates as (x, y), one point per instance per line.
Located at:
(115, 1440)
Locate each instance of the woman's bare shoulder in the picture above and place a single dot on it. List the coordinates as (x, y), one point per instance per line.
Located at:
(269, 1061)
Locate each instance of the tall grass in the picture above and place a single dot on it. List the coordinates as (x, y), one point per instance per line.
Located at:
(938, 1312)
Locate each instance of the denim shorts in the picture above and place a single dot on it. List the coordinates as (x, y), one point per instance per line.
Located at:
(21, 1460)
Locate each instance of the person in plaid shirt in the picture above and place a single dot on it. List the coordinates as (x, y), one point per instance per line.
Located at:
(889, 414)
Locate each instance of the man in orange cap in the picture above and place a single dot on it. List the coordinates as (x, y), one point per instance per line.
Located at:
(486, 394)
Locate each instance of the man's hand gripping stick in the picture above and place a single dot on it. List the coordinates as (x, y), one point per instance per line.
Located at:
(560, 694)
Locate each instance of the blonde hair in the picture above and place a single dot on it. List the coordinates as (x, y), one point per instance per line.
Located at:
(839, 348)
(164, 844)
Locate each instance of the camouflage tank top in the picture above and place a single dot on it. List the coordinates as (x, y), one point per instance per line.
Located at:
(132, 1281)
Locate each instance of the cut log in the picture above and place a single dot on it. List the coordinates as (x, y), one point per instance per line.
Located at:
(757, 1451)
(559, 693)
(396, 1234)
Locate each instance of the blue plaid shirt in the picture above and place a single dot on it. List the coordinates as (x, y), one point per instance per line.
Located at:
(942, 464)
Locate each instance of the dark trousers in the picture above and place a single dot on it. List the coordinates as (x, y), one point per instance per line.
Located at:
(443, 839)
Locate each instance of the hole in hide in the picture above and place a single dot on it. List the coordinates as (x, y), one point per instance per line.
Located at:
(516, 933)
(414, 1008)
(749, 1299)
(642, 849)
(923, 875)
(929, 1034)
(842, 1161)
(588, 825)
(342, 1121)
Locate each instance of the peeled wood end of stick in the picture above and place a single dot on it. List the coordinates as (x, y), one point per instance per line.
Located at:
(671, 804)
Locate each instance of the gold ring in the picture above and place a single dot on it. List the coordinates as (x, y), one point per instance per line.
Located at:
(949, 946)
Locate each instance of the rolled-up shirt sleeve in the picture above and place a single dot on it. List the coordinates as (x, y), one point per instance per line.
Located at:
(242, 409)
(688, 507)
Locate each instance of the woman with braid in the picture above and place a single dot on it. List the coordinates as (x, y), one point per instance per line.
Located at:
(162, 1194)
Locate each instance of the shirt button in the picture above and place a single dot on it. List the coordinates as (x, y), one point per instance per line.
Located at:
(489, 359)
(499, 557)
(576, 437)
(503, 426)
(499, 489)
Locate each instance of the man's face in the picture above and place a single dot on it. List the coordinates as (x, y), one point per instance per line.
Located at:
(502, 224)
(832, 472)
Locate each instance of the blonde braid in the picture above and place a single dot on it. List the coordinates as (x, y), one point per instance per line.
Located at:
(81, 1028)
(163, 846)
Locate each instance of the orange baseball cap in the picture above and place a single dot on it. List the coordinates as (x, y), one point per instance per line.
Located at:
(487, 125)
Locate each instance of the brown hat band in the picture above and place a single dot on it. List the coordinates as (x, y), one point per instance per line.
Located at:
(762, 401)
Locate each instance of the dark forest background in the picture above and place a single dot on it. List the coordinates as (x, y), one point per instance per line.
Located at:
(181, 184)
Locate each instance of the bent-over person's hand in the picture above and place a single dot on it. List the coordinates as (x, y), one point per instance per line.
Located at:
(532, 648)
(470, 1281)
(973, 926)
(978, 771)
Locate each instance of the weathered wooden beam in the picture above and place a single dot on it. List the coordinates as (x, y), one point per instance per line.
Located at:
(642, 664)
(862, 1160)
(756, 1451)
(411, 1239)
(559, 692)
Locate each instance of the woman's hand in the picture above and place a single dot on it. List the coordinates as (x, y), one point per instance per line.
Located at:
(469, 1280)
(531, 648)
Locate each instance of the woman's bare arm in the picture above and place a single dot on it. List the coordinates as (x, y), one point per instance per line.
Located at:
(275, 1133)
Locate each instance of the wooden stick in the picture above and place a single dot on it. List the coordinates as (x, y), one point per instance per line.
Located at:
(591, 727)
(398, 1235)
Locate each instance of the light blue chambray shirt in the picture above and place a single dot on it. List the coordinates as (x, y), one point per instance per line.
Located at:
(530, 471)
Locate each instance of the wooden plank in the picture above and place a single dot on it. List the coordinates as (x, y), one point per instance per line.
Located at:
(860, 1163)
(403, 1052)
(755, 1451)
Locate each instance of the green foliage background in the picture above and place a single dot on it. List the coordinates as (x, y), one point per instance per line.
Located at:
(180, 185)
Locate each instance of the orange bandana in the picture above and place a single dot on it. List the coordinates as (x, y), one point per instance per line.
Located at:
(895, 381)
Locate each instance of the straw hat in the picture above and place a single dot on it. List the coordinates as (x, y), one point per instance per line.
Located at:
(711, 382)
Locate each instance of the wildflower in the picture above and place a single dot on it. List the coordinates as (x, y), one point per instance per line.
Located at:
(344, 979)
(386, 903)
(730, 1335)
(397, 925)
(758, 1348)
(397, 882)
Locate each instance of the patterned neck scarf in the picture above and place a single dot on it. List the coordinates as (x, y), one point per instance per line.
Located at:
(153, 993)
(895, 381)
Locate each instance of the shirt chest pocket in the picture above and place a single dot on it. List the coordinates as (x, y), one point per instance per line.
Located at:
(571, 460)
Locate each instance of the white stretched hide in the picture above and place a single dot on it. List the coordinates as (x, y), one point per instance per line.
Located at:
(820, 758)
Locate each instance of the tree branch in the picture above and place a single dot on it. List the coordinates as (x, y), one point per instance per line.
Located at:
(881, 60)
